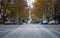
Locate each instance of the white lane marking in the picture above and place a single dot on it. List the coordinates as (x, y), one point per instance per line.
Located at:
(36, 30)
(49, 32)
(55, 31)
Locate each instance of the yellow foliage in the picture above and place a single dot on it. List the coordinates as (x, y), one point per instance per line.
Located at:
(8, 11)
(43, 7)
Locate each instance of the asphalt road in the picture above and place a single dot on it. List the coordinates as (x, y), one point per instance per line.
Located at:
(30, 31)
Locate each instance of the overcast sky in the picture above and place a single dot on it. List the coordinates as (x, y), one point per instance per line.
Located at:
(30, 3)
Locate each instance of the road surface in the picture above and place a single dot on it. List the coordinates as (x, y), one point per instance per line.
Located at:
(30, 31)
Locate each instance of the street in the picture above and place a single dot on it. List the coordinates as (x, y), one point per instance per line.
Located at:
(30, 31)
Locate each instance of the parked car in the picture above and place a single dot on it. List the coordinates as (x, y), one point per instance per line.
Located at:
(35, 22)
(8, 22)
(45, 21)
(23, 21)
(53, 22)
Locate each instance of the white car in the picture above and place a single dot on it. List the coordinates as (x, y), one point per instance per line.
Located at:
(44, 22)
(9, 22)
(53, 22)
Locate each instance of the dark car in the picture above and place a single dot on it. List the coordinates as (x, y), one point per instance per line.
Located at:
(35, 22)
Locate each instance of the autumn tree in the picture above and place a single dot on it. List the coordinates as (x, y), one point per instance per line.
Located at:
(17, 9)
(44, 7)
(38, 9)
(22, 11)
(3, 9)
